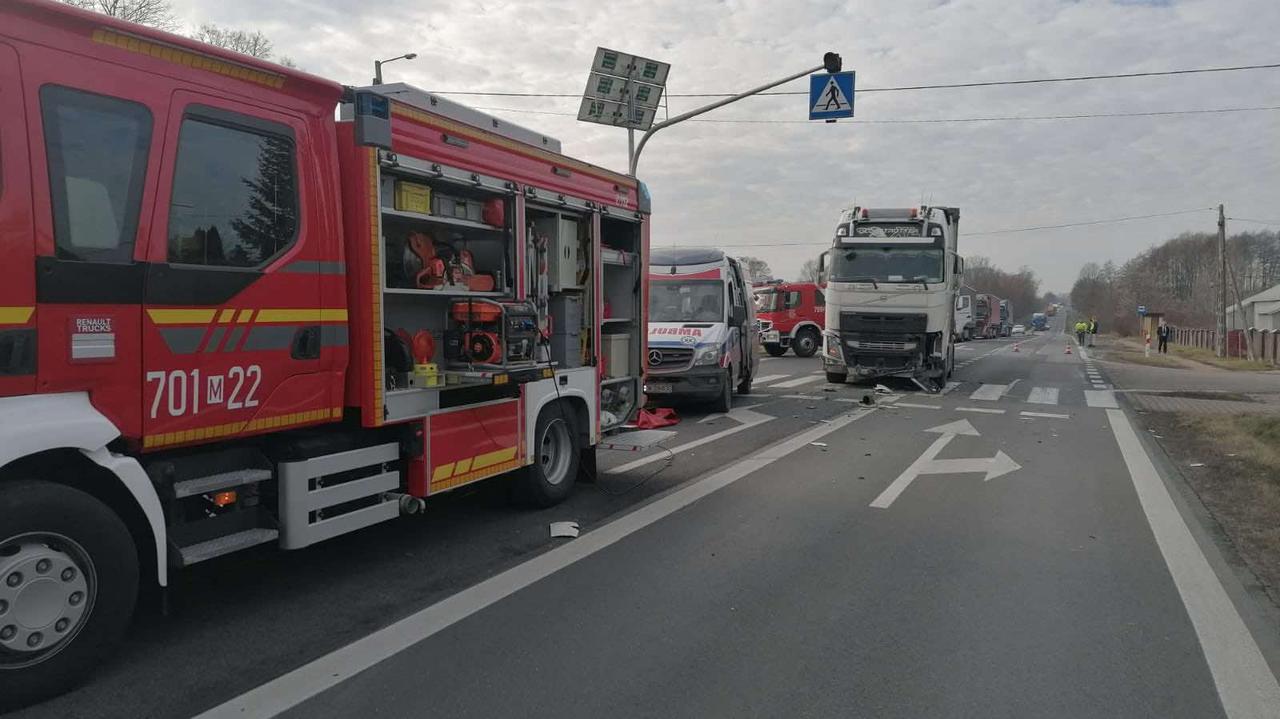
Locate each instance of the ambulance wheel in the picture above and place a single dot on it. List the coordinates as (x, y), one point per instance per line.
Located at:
(68, 583)
(556, 454)
(805, 343)
(725, 402)
(775, 350)
(836, 377)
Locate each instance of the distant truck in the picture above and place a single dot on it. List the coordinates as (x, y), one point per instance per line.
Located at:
(986, 316)
(1006, 318)
(1039, 322)
(791, 315)
(1051, 310)
(892, 277)
(964, 317)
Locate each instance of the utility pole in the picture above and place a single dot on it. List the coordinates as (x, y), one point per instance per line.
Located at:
(1221, 348)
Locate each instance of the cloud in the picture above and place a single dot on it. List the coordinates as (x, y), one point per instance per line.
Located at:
(762, 184)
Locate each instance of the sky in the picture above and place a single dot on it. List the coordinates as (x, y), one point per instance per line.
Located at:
(775, 190)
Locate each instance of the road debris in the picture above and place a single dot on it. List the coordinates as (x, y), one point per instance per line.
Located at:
(1197, 464)
(564, 530)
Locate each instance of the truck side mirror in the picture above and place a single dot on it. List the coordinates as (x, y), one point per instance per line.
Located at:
(822, 268)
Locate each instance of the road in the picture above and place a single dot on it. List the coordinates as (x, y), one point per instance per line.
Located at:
(1008, 548)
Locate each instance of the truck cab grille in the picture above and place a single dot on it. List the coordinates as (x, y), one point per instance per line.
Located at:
(669, 357)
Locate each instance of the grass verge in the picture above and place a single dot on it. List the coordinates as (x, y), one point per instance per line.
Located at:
(1199, 354)
(1239, 481)
(1154, 360)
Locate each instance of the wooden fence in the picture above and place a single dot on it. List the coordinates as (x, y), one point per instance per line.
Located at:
(1265, 343)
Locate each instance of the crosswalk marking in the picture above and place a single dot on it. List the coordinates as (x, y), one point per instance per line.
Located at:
(1046, 415)
(917, 406)
(769, 378)
(979, 410)
(989, 392)
(798, 381)
(1101, 398)
(1043, 395)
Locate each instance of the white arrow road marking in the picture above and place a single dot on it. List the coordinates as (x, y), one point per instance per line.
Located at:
(718, 415)
(992, 467)
(747, 418)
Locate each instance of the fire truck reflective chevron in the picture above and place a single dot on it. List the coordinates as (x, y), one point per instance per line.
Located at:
(186, 331)
(15, 315)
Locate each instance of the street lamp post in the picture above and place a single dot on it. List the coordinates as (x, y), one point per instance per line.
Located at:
(377, 65)
(831, 62)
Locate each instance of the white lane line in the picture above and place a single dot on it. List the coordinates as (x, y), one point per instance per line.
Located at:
(979, 410)
(1245, 683)
(1046, 415)
(769, 378)
(748, 418)
(1100, 398)
(1043, 395)
(1083, 355)
(797, 382)
(917, 406)
(988, 392)
(288, 691)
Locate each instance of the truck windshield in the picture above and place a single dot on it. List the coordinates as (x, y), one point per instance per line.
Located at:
(672, 300)
(767, 301)
(887, 264)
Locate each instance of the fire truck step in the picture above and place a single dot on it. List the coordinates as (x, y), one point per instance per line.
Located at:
(219, 482)
(219, 546)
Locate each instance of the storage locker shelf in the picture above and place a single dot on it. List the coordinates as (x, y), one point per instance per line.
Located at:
(441, 220)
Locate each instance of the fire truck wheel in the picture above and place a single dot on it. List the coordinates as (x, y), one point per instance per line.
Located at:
(805, 343)
(556, 454)
(68, 583)
(775, 350)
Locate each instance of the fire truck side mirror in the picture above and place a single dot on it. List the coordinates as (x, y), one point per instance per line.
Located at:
(373, 120)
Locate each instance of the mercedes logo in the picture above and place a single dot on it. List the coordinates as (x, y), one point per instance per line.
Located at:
(655, 357)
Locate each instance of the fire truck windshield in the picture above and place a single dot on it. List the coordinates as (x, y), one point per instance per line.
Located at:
(767, 300)
(887, 264)
(677, 300)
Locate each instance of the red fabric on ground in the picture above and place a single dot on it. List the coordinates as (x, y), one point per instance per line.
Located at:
(659, 417)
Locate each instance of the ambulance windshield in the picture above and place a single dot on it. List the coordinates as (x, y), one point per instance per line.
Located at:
(675, 300)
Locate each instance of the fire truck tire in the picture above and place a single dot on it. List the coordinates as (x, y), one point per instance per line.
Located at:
(68, 584)
(836, 377)
(805, 343)
(556, 454)
(775, 350)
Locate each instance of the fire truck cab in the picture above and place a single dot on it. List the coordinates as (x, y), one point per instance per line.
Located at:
(229, 319)
(791, 316)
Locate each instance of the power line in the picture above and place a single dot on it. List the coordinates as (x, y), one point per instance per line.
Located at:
(1256, 222)
(937, 120)
(946, 86)
(998, 232)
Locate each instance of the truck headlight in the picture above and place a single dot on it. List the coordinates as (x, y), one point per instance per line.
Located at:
(831, 346)
(707, 355)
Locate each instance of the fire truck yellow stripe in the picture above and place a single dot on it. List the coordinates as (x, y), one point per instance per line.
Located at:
(324, 314)
(15, 315)
(181, 317)
(226, 316)
(232, 428)
(375, 283)
(491, 458)
(187, 58)
(245, 316)
(461, 478)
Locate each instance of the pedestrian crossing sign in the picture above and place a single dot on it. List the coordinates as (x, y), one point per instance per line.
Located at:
(831, 95)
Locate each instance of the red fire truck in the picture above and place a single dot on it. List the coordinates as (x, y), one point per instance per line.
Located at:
(229, 319)
(791, 315)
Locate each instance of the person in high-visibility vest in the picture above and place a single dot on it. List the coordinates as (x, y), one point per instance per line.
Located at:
(1093, 329)
(1082, 328)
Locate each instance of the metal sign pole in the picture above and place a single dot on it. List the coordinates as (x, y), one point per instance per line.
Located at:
(635, 155)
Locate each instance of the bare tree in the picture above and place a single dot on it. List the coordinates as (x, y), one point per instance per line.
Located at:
(156, 13)
(809, 270)
(254, 44)
(757, 269)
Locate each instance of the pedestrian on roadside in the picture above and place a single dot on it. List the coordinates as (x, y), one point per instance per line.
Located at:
(1093, 329)
(1081, 328)
(1162, 333)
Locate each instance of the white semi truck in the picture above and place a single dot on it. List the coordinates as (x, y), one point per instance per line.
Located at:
(892, 277)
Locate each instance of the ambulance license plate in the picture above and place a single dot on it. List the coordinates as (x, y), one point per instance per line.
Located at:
(658, 388)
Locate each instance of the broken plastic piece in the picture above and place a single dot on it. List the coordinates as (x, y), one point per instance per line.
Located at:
(817, 444)
(1197, 464)
(565, 530)
(881, 389)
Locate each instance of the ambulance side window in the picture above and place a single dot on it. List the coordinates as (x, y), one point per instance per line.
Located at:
(234, 201)
(97, 152)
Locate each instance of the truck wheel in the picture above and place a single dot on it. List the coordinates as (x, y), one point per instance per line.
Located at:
(725, 402)
(68, 583)
(836, 377)
(549, 480)
(805, 343)
(775, 350)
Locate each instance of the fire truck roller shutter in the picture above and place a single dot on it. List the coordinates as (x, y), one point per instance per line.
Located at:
(40, 423)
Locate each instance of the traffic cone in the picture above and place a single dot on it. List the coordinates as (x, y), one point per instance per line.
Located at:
(1015, 346)
(1068, 349)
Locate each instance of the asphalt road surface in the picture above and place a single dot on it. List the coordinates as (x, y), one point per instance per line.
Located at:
(1008, 548)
